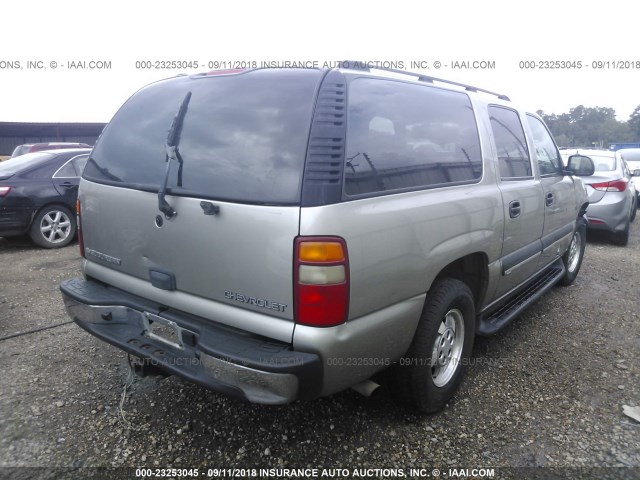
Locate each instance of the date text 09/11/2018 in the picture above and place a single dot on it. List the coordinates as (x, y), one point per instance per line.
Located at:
(579, 65)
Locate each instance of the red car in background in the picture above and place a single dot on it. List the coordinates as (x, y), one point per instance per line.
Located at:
(36, 147)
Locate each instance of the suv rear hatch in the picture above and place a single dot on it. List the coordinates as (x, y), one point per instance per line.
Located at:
(236, 193)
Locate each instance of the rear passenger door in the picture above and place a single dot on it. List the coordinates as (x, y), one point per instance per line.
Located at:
(522, 197)
(560, 208)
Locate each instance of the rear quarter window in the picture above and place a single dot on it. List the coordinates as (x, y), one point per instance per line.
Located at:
(244, 137)
(73, 168)
(402, 136)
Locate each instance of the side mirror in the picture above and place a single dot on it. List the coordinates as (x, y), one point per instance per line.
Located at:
(580, 166)
(636, 172)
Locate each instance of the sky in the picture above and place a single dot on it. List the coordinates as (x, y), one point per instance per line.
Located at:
(46, 48)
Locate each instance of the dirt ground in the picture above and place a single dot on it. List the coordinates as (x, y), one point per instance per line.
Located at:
(547, 392)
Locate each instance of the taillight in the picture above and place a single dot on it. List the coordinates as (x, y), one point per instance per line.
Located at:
(79, 224)
(321, 281)
(4, 191)
(619, 185)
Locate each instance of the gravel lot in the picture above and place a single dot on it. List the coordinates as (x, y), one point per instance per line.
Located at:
(548, 391)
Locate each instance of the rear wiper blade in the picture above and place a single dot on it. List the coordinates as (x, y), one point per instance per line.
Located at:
(172, 153)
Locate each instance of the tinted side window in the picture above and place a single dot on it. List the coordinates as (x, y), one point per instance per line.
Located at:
(403, 136)
(68, 170)
(549, 161)
(511, 145)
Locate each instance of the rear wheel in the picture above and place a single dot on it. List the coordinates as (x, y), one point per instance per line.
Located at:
(53, 227)
(572, 258)
(429, 374)
(634, 209)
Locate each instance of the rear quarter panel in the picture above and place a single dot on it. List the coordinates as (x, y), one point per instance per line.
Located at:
(399, 243)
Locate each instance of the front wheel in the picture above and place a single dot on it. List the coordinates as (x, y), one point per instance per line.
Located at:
(431, 371)
(574, 255)
(53, 227)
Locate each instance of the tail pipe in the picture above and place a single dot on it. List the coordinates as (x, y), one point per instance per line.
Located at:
(367, 388)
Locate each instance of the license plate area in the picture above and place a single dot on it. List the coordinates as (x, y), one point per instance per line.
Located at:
(163, 330)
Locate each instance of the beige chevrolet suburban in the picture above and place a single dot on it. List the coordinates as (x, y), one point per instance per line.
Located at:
(284, 234)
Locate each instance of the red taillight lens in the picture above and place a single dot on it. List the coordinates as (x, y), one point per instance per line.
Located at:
(321, 281)
(79, 224)
(4, 191)
(619, 185)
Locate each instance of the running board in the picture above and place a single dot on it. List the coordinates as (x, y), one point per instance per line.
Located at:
(498, 319)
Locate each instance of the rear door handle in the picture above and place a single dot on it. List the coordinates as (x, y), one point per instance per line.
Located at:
(67, 185)
(515, 209)
(549, 199)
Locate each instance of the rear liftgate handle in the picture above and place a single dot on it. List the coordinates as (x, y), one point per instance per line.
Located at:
(209, 208)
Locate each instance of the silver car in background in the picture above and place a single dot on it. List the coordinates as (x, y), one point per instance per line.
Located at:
(612, 195)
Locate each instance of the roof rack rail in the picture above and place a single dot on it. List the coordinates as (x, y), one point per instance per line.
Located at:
(358, 65)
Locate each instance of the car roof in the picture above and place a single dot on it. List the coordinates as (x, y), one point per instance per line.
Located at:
(630, 154)
(59, 151)
(597, 152)
(370, 69)
(58, 143)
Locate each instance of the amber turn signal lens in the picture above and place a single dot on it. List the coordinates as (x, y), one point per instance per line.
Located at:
(321, 252)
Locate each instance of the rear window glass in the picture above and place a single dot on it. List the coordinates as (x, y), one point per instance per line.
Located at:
(405, 136)
(244, 137)
(20, 150)
(23, 162)
(604, 164)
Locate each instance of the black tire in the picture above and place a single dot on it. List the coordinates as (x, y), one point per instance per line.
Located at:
(413, 379)
(53, 227)
(622, 238)
(572, 263)
(634, 210)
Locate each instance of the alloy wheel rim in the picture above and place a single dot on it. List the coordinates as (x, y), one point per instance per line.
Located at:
(447, 348)
(55, 226)
(574, 252)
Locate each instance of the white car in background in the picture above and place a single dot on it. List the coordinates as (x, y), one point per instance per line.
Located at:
(632, 158)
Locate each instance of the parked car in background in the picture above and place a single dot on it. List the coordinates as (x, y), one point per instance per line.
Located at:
(38, 193)
(612, 195)
(21, 150)
(632, 157)
(37, 147)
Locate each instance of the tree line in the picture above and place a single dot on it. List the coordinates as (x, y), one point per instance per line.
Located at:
(592, 127)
